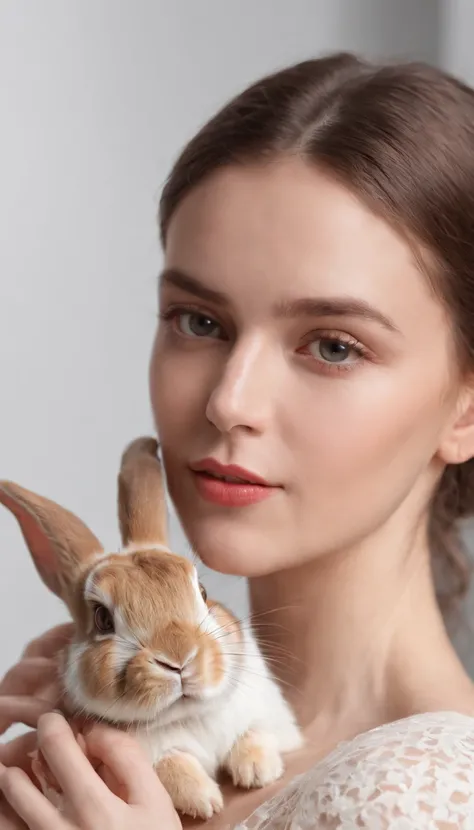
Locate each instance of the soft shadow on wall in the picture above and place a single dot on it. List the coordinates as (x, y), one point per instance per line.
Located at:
(405, 29)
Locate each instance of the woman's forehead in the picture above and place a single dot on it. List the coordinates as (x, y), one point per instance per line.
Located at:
(285, 232)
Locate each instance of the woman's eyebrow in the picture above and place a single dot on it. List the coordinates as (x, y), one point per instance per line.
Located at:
(303, 307)
(334, 307)
(173, 276)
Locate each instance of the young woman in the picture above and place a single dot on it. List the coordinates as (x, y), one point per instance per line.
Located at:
(312, 382)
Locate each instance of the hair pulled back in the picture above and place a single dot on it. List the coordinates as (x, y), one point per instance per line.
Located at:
(401, 137)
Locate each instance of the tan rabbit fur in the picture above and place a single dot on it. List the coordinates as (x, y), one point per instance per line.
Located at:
(151, 653)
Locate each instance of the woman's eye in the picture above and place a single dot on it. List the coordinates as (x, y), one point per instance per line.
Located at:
(332, 350)
(103, 620)
(197, 325)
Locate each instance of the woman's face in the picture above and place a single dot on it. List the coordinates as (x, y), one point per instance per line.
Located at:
(301, 343)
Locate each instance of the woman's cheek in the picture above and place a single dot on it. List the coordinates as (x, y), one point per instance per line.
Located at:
(178, 390)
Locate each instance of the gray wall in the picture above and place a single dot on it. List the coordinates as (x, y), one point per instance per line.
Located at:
(457, 25)
(96, 97)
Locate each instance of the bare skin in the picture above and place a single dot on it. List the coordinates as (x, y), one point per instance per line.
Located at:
(337, 556)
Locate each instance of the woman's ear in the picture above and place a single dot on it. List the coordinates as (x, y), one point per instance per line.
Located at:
(457, 445)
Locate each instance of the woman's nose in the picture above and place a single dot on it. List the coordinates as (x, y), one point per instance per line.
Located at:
(244, 395)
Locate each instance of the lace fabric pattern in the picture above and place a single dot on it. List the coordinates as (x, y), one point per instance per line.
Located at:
(413, 774)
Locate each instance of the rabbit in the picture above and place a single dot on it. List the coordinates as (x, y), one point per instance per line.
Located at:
(151, 653)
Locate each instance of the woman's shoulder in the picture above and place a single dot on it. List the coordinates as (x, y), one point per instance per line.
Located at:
(419, 770)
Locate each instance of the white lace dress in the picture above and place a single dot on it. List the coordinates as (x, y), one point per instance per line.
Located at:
(413, 774)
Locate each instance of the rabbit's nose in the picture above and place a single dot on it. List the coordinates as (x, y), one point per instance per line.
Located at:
(168, 666)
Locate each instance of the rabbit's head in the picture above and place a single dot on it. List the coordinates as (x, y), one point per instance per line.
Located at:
(148, 644)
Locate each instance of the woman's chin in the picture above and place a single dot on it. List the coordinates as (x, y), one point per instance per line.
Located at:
(236, 551)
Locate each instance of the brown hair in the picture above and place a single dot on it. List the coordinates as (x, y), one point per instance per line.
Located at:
(402, 138)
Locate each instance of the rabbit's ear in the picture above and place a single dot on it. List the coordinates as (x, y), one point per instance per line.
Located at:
(141, 495)
(58, 541)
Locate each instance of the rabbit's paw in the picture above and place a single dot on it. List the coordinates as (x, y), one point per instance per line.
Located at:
(254, 760)
(193, 792)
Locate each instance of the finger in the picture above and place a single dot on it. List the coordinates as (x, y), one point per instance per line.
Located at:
(16, 753)
(21, 709)
(51, 693)
(77, 778)
(126, 765)
(30, 805)
(9, 820)
(48, 644)
(30, 674)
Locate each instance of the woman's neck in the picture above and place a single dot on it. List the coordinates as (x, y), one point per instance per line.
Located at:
(356, 639)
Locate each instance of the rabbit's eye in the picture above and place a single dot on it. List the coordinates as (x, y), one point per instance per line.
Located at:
(203, 592)
(104, 622)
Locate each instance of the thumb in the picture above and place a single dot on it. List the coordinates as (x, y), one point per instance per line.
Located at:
(125, 768)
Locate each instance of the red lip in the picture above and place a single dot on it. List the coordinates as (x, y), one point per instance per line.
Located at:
(210, 465)
(250, 490)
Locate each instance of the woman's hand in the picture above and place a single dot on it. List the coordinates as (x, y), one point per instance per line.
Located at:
(90, 804)
(31, 687)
